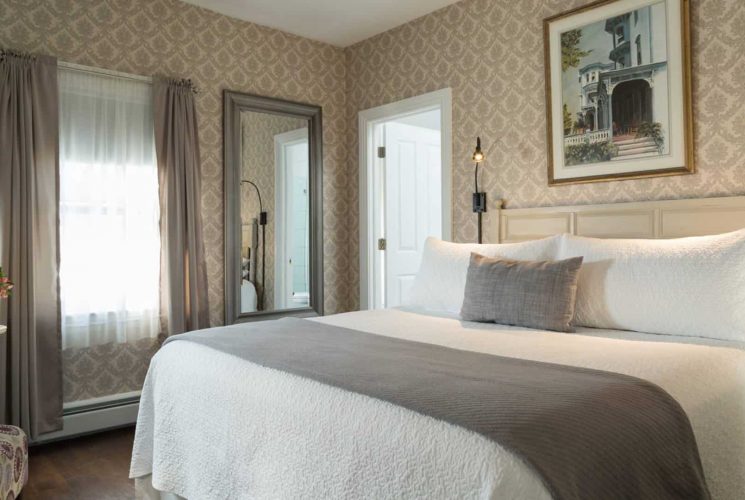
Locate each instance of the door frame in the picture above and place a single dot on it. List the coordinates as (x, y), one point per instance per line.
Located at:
(368, 119)
(281, 141)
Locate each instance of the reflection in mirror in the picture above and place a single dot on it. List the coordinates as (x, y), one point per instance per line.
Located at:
(274, 212)
(273, 208)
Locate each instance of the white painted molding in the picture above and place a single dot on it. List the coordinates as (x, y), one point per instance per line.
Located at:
(439, 99)
(647, 219)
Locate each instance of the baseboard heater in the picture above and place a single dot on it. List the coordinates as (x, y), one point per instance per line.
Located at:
(95, 415)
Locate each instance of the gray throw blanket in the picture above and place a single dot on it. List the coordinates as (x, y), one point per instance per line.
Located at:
(588, 434)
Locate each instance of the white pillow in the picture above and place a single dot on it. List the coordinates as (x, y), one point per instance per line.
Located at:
(441, 281)
(688, 286)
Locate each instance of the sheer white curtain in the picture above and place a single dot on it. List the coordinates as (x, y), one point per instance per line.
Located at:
(109, 210)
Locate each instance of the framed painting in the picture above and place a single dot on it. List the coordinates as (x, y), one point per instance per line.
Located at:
(618, 91)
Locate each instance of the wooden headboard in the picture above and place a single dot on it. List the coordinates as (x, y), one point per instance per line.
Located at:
(649, 219)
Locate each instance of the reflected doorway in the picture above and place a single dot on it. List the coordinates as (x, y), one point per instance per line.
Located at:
(292, 269)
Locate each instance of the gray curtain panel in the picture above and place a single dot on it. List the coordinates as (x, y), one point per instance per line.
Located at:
(30, 352)
(183, 270)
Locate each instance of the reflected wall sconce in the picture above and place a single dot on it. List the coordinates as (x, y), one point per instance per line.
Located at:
(262, 222)
(479, 198)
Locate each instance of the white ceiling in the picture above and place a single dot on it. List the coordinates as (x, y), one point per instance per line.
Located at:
(338, 22)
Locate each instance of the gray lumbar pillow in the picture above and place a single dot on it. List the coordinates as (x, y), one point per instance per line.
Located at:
(538, 294)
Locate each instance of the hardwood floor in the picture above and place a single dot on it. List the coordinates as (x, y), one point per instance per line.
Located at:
(93, 467)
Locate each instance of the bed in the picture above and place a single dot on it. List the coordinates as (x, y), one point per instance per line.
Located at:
(213, 425)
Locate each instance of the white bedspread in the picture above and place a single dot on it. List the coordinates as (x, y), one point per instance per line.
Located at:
(214, 426)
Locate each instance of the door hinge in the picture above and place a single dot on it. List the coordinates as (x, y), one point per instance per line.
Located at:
(381, 152)
(381, 244)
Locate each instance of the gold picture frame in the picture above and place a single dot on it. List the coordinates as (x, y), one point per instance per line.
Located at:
(650, 50)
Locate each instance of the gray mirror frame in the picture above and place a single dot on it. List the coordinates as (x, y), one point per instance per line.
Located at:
(233, 104)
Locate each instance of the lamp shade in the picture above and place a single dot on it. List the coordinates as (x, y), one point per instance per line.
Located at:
(478, 155)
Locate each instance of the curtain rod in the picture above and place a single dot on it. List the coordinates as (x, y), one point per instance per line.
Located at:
(103, 72)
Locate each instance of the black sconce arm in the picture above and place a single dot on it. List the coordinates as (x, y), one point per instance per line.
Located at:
(262, 214)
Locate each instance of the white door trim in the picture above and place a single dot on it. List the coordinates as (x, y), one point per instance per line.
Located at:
(441, 99)
(281, 141)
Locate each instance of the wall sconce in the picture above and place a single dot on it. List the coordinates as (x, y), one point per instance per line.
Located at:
(262, 222)
(479, 198)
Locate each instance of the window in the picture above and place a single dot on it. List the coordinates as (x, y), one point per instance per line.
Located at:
(638, 50)
(620, 36)
(109, 210)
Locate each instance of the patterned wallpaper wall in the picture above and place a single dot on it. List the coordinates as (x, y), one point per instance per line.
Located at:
(491, 53)
(172, 38)
(106, 369)
(217, 52)
(257, 150)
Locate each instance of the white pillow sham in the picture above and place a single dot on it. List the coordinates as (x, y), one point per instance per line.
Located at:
(441, 281)
(687, 286)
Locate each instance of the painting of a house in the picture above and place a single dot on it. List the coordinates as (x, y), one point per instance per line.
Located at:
(615, 88)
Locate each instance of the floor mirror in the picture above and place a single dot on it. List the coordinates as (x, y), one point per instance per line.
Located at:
(273, 208)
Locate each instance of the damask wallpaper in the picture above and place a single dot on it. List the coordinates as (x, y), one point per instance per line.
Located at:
(168, 37)
(171, 38)
(106, 369)
(490, 52)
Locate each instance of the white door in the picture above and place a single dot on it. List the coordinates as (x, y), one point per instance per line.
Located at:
(412, 207)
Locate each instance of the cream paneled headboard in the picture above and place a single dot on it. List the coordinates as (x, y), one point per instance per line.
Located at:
(649, 219)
